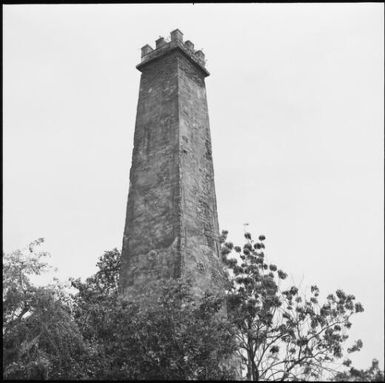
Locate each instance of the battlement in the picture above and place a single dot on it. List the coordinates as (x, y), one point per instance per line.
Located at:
(163, 47)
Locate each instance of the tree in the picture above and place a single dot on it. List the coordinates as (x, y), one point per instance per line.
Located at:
(40, 339)
(372, 374)
(173, 336)
(282, 334)
(167, 333)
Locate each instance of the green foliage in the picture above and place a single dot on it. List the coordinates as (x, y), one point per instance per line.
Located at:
(283, 334)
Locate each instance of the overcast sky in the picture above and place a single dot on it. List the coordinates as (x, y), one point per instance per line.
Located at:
(296, 112)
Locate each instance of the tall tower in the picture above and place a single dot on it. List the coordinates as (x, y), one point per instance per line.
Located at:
(171, 228)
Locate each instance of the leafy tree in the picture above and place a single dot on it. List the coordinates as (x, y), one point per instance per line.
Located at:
(166, 333)
(40, 339)
(282, 334)
(98, 295)
(372, 374)
(163, 333)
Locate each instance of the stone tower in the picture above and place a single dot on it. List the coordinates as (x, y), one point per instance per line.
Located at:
(171, 228)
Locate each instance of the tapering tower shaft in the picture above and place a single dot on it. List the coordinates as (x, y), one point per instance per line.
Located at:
(171, 228)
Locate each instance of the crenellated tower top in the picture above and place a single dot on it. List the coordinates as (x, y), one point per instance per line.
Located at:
(164, 47)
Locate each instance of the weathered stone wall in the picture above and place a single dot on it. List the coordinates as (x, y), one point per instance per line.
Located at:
(152, 224)
(171, 224)
(200, 239)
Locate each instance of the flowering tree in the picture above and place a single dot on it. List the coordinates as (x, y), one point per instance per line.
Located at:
(283, 334)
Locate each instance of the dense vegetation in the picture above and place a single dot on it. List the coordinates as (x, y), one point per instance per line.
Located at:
(271, 331)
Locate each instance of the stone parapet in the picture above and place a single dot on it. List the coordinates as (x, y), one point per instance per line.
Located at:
(163, 47)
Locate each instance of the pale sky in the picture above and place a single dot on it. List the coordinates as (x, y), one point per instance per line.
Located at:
(295, 98)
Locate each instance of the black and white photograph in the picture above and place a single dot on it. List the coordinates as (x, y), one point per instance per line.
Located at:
(193, 191)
